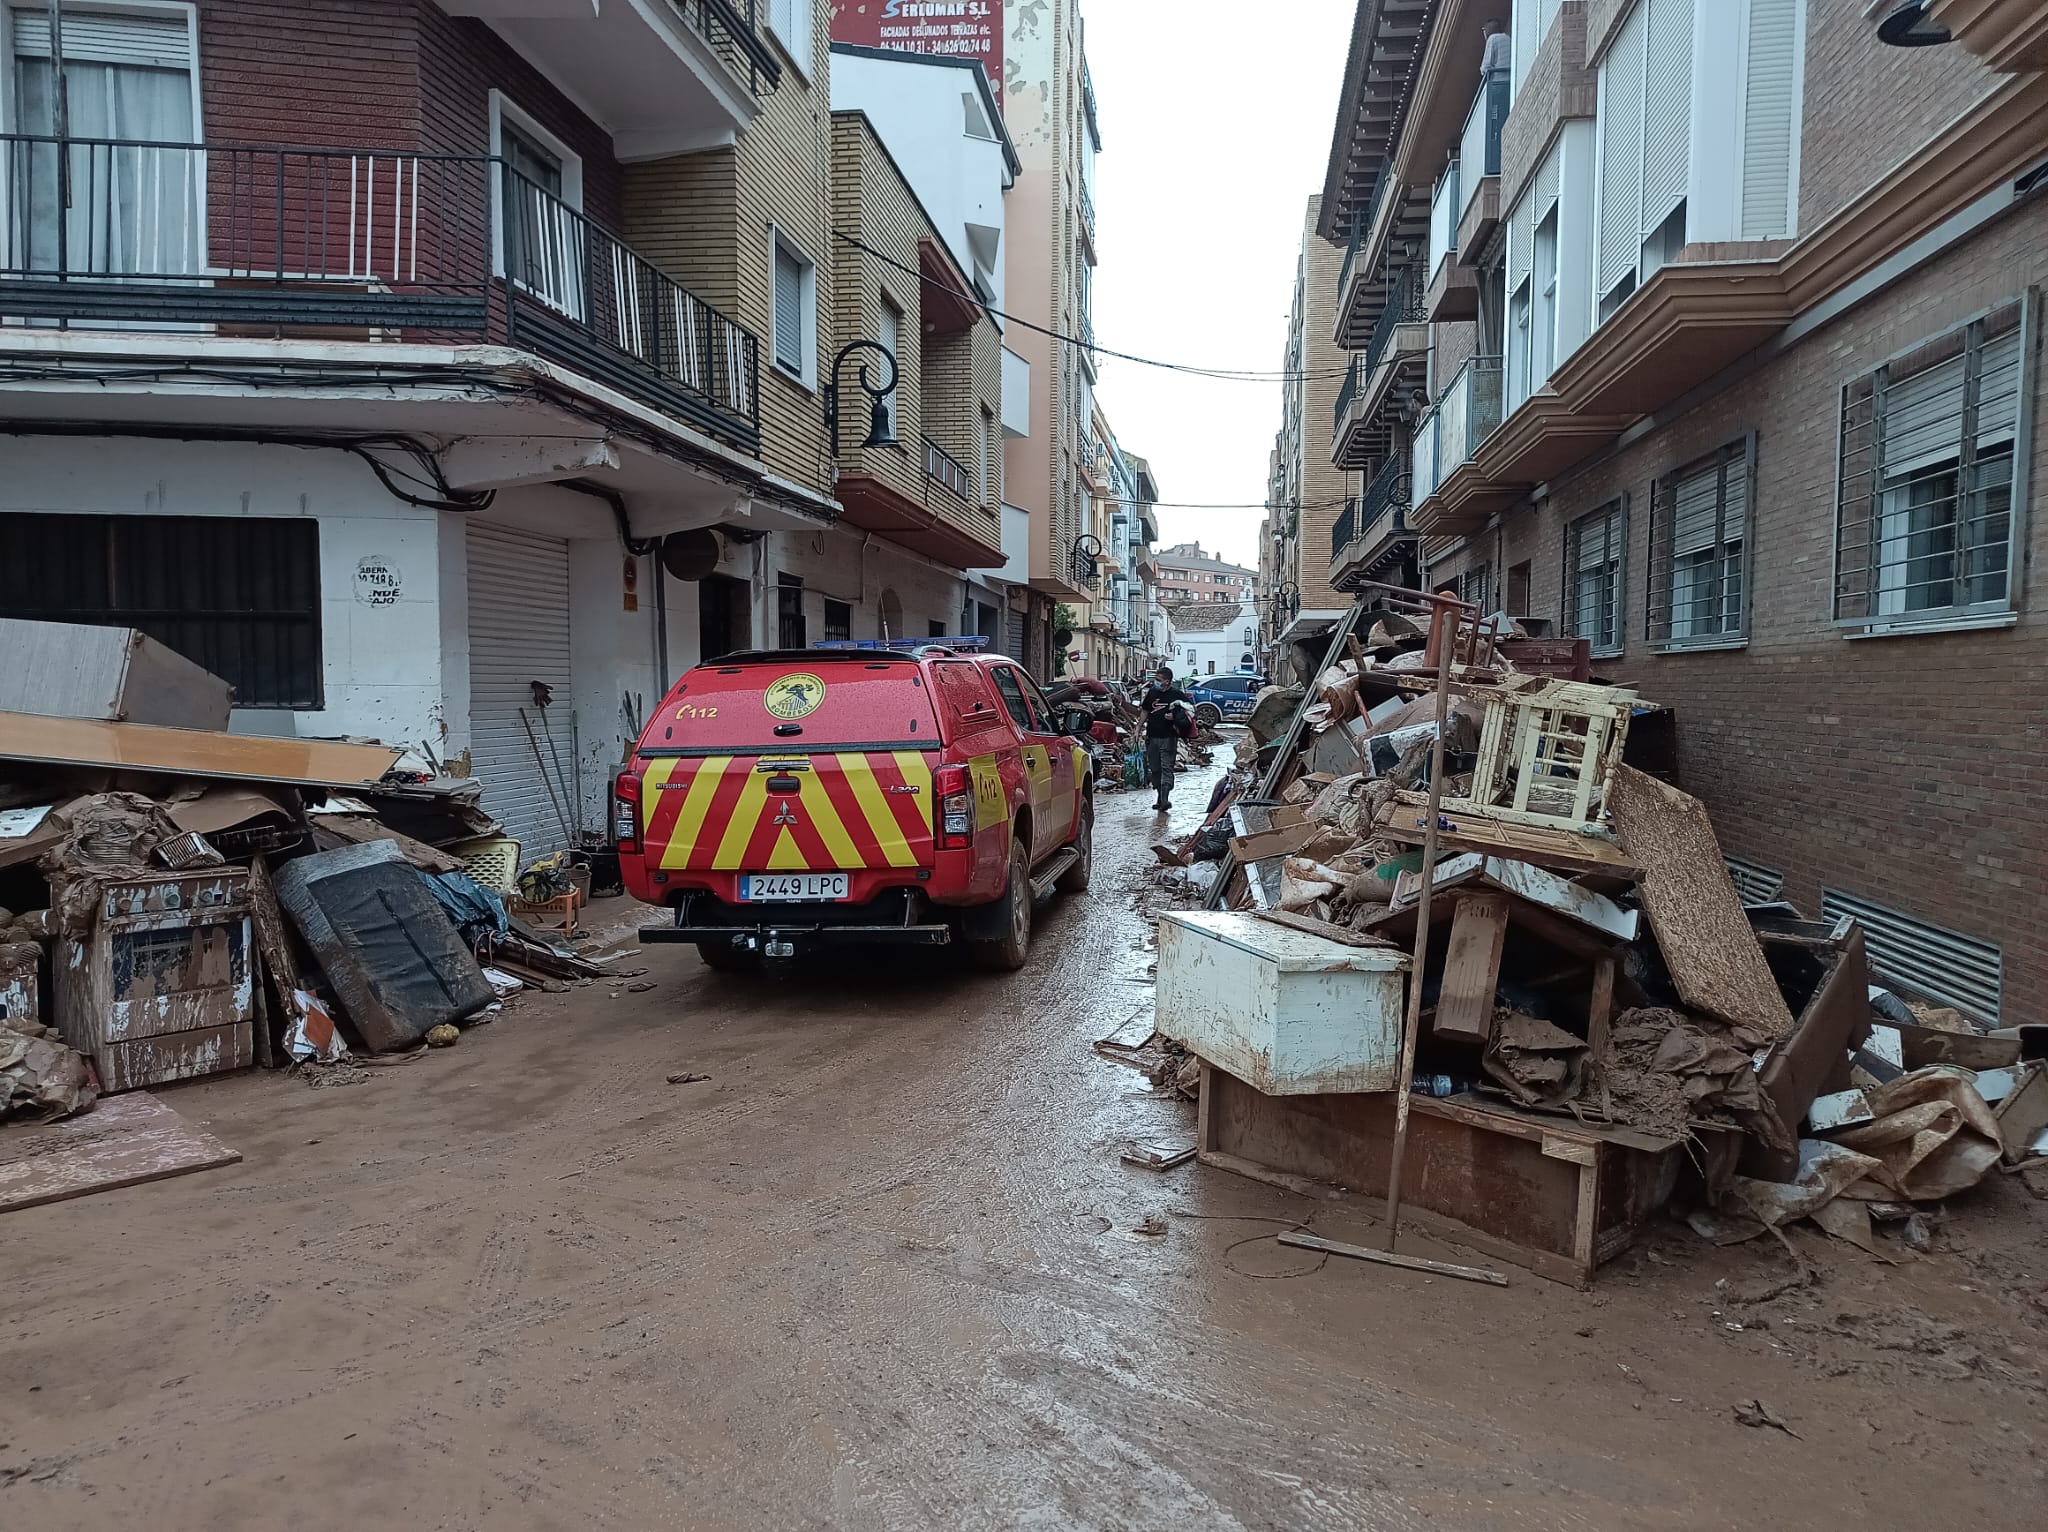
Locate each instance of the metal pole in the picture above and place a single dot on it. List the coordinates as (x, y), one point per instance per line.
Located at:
(1446, 652)
(60, 117)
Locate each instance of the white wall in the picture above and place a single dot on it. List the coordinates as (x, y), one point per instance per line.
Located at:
(1224, 648)
(916, 109)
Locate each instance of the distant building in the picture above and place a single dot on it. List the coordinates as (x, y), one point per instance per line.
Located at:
(1186, 573)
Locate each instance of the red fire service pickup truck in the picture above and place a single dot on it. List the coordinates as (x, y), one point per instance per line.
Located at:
(915, 794)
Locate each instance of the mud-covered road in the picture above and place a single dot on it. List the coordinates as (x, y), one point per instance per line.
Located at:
(880, 1272)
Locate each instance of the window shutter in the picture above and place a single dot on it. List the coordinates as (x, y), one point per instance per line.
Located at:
(1521, 238)
(1923, 418)
(1695, 514)
(789, 309)
(141, 42)
(1545, 181)
(1770, 74)
(1621, 152)
(1998, 390)
(1667, 107)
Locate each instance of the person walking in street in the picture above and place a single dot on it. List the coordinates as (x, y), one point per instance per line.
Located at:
(1167, 722)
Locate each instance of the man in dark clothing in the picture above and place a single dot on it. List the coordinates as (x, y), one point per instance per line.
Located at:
(1165, 724)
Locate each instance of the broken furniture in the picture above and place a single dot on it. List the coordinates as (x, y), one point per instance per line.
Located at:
(1554, 1196)
(118, 675)
(158, 987)
(1827, 963)
(1287, 1010)
(1547, 753)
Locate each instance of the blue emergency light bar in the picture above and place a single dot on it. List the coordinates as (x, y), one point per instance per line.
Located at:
(971, 642)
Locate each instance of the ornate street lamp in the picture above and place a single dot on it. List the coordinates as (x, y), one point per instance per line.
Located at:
(881, 429)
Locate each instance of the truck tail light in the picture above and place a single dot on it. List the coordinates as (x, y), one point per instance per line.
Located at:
(956, 807)
(626, 813)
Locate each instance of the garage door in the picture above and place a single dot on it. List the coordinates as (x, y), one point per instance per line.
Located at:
(519, 634)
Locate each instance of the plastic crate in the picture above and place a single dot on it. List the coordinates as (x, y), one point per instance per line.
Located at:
(493, 860)
(548, 914)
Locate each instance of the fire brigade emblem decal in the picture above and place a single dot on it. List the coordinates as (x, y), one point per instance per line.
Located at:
(792, 697)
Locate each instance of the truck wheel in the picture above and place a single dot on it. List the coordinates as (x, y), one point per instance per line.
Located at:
(1208, 715)
(1075, 879)
(1007, 953)
(723, 957)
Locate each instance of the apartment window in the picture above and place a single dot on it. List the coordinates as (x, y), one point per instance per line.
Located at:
(1645, 139)
(795, 310)
(935, 629)
(1925, 528)
(1530, 24)
(977, 119)
(1473, 586)
(541, 246)
(790, 20)
(1595, 554)
(1699, 534)
(790, 631)
(1543, 337)
(838, 620)
(891, 337)
(137, 209)
(1519, 581)
(238, 595)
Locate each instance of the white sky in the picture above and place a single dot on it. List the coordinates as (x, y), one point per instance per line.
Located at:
(1216, 120)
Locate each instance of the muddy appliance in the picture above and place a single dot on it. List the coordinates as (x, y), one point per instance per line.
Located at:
(159, 987)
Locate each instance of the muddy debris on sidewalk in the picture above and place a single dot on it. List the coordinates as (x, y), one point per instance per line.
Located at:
(1604, 1028)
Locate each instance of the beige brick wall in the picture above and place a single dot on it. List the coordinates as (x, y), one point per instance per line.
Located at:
(1321, 484)
(1906, 770)
(707, 219)
(1557, 87)
(1603, 17)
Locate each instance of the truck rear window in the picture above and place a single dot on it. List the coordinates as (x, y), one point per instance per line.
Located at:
(749, 708)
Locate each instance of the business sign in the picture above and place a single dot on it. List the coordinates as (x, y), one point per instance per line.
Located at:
(969, 29)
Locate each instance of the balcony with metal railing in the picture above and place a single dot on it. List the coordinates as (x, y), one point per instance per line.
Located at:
(1445, 204)
(322, 245)
(1087, 201)
(1345, 529)
(1379, 526)
(1464, 415)
(1354, 296)
(1478, 212)
(949, 473)
(1393, 356)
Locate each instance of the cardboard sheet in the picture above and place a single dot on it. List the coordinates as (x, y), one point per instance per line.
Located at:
(122, 1141)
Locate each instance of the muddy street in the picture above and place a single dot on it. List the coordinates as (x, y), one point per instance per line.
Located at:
(880, 1270)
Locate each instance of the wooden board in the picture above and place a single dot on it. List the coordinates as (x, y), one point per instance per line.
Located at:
(1834, 1021)
(189, 752)
(1266, 844)
(1559, 850)
(1343, 935)
(1464, 1007)
(1715, 961)
(121, 1142)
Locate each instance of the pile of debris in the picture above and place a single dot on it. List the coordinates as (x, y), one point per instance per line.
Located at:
(1108, 721)
(177, 900)
(1578, 954)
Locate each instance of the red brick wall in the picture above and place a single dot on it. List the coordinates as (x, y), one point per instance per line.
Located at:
(1910, 770)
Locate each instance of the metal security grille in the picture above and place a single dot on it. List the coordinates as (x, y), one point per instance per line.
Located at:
(1699, 537)
(239, 595)
(1929, 469)
(1595, 555)
(1472, 586)
(1943, 966)
(1756, 883)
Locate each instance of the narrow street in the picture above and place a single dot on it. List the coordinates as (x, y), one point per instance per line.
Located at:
(880, 1271)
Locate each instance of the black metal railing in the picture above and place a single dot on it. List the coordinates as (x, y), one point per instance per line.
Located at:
(1346, 392)
(1403, 306)
(367, 245)
(732, 28)
(1361, 233)
(1345, 529)
(1386, 494)
(1088, 212)
(947, 471)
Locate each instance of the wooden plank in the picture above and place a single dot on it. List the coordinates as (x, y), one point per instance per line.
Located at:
(136, 747)
(1267, 844)
(1716, 963)
(1559, 850)
(1834, 1021)
(1204, 1099)
(1586, 1226)
(1388, 1258)
(1599, 1012)
(1343, 935)
(280, 967)
(122, 1141)
(1464, 1007)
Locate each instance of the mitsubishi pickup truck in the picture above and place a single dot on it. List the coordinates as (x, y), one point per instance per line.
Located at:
(781, 802)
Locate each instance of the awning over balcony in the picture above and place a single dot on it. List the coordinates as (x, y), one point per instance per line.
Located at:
(662, 76)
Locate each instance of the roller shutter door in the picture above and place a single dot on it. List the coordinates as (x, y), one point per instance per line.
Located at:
(519, 634)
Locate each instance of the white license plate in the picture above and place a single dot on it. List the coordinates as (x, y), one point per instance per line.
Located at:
(792, 887)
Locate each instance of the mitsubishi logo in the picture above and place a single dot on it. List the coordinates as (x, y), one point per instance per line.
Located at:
(786, 816)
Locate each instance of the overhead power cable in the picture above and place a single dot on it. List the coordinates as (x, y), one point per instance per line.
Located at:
(1220, 374)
